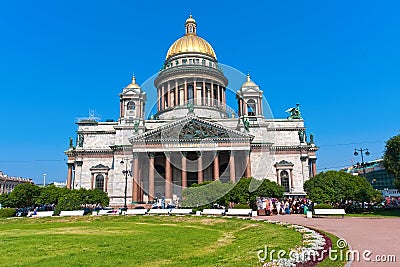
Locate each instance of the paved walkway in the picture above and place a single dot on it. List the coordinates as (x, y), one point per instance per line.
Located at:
(379, 235)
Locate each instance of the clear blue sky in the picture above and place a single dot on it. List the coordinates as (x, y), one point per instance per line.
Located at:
(339, 59)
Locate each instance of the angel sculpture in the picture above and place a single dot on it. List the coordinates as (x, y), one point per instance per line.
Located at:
(295, 113)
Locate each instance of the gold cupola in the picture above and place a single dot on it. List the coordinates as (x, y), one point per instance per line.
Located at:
(248, 82)
(133, 84)
(191, 42)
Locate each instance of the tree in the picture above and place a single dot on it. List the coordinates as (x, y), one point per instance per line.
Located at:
(93, 196)
(391, 158)
(50, 195)
(4, 200)
(269, 188)
(71, 201)
(247, 190)
(243, 192)
(337, 187)
(24, 195)
(205, 194)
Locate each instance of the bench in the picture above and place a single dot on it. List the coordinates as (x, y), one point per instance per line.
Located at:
(135, 212)
(213, 212)
(108, 212)
(159, 211)
(330, 212)
(72, 213)
(239, 212)
(43, 214)
(180, 211)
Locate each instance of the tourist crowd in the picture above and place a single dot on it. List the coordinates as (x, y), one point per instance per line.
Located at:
(274, 206)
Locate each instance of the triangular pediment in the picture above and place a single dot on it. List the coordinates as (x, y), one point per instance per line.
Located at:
(192, 129)
(131, 91)
(283, 163)
(253, 89)
(99, 167)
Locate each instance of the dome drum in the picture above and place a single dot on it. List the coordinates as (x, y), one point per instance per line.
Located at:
(203, 112)
(186, 59)
(191, 72)
(201, 91)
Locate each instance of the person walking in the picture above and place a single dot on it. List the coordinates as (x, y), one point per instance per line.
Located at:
(278, 207)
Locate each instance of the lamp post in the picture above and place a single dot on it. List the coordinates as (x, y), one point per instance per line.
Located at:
(125, 172)
(362, 151)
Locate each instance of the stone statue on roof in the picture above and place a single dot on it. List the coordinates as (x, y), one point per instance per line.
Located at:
(136, 126)
(246, 124)
(190, 107)
(71, 145)
(80, 140)
(302, 136)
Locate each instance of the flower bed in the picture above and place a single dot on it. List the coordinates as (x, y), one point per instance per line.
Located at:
(315, 248)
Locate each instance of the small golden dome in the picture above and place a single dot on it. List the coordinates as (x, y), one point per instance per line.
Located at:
(248, 82)
(133, 84)
(191, 42)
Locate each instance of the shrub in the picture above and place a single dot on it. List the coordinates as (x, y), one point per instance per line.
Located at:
(323, 206)
(7, 212)
(71, 202)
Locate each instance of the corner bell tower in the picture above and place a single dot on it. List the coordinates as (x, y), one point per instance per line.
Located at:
(250, 100)
(132, 104)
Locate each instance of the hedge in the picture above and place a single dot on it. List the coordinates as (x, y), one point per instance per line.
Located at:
(323, 206)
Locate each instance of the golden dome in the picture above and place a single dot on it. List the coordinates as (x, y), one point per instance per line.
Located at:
(191, 42)
(248, 82)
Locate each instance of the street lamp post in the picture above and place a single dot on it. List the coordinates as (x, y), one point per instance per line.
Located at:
(125, 172)
(362, 157)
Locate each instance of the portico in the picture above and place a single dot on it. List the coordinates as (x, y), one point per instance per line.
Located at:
(192, 150)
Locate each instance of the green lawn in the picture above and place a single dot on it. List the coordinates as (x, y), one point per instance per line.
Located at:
(139, 241)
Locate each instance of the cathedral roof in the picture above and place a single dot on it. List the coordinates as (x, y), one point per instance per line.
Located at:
(191, 42)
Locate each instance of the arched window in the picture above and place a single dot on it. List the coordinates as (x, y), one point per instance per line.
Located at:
(251, 107)
(285, 180)
(99, 182)
(131, 105)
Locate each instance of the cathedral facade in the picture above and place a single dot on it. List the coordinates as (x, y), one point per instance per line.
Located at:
(194, 136)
